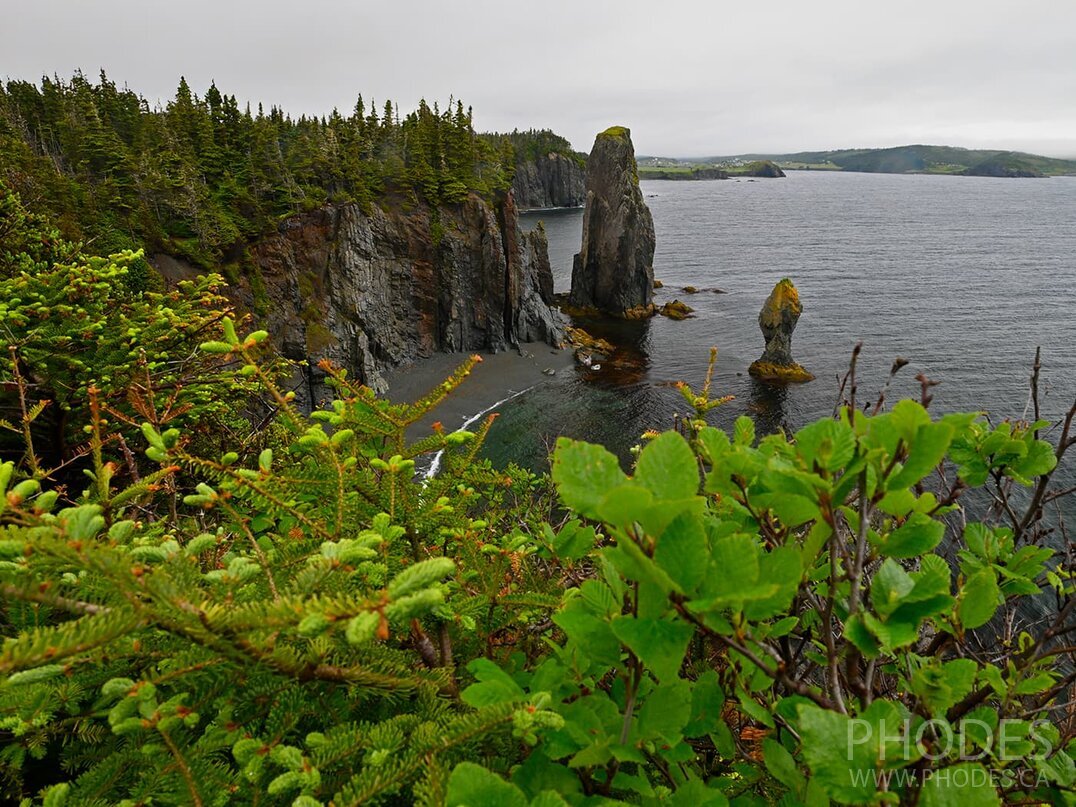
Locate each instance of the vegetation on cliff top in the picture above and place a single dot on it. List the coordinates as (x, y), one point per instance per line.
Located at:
(533, 144)
(200, 177)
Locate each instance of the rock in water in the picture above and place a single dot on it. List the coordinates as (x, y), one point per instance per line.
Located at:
(778, 319)
(614, 271)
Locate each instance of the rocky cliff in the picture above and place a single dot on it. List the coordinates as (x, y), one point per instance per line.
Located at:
(370, 290)
(550, 180)
(614, 270)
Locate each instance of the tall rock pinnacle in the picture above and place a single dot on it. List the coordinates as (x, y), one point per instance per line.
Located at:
(778, 319)
(614, 270)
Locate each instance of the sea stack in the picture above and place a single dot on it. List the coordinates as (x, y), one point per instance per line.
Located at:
(614, 271)
(778, 319)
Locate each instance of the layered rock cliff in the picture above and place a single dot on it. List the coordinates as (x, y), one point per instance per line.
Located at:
(371, 290)
(614, 270)
(550, 180)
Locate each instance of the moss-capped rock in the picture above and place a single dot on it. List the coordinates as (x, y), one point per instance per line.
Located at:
(614, 270)
(778, 319)
(676, 310)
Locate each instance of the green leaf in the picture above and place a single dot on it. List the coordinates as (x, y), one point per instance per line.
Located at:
(941, 686)
(782, 766)
(919, 534)
(891, 583)
(591, 636)
(584, 473)
(472, 785)
(967, 784)
(792, 509)
(926, 452)
(494, 685)
(743, 431)
(840, 764)
(659, 643)
(624, 505)
(573, 541)
(829, 444)
(979, 598)
(681, 552)
(666, 711)
(668, 468)
(707, 700)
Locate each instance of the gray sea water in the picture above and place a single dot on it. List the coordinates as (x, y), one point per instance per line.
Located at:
(962, 276)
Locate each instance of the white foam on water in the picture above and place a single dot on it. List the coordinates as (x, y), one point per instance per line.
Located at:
(435, 466)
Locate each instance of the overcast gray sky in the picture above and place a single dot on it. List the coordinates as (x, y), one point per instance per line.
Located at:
(691, 78)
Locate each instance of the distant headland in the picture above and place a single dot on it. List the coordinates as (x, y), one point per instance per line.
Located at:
(917, 159)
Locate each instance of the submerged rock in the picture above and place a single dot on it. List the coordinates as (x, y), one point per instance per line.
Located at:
(778, 319)
(614, 270)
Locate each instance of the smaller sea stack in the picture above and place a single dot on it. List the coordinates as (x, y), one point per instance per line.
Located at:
(778, 319)
(614, 270)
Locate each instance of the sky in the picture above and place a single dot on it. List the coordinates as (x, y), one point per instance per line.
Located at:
(690, 78)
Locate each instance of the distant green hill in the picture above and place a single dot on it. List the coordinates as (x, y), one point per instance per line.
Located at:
(919, 159)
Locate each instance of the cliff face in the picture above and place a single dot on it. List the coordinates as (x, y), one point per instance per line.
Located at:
(376, 290)
(552, 180)
(614, 270)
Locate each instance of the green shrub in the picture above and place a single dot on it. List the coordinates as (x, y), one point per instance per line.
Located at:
(301, 618)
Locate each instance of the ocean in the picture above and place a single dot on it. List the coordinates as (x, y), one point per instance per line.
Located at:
(962, 276)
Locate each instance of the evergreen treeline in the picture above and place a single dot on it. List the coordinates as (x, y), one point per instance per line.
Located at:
(201, 175)
(531, 144)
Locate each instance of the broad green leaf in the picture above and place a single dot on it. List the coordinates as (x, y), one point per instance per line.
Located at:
(681, 551)
(659, 643)
(940, 686)
(779, 568)
(744, 431)
(1034, 684)
(624, 505)
(891, 583)
(694, 793)
(826, 443)
(584, 473)
(979, 598)
(918, 535)
(908, 417)
(591, 636)
(792, 509)
(494, 685)
(666, 711)
(967, 784)
(839, 760)
(573, 541)
(472, 785)
(668, 468)
(926, 451)
(707, 699)
(782, 766)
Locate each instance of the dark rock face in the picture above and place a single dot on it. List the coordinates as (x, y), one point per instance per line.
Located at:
(614, 270)
(552, 180)
(778, 319)
(378, 289)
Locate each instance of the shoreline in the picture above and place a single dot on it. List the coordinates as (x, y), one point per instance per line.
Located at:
(498, 380)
